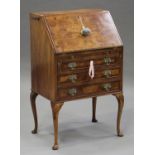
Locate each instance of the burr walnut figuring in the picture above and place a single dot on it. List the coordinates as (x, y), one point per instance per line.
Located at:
(74, 55)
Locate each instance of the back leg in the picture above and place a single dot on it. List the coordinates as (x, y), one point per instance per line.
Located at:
(33, 96)
(94, 109)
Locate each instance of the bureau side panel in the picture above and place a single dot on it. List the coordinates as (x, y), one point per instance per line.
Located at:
(42, 59)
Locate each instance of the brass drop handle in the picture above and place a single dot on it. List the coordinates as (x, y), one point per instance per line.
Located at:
(72, 65)
(107, 73)
(106, 86)
(72, 78)
(72, 91)
(107, 60)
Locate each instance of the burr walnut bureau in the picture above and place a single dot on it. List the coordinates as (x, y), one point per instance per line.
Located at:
(74, 55)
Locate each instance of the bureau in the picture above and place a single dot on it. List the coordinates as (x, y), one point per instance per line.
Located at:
(75, 54)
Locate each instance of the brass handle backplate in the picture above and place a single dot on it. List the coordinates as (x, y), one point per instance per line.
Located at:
(72, 65)
(72, 78)
(106, 86)
(107, 73)
(107, 60)
(72, 91)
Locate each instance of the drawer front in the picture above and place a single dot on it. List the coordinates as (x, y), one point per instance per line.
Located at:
(82, 61)
(101, 75)
(95, 54)
(88, 90)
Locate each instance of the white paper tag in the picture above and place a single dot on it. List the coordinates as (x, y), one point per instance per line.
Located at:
(91, 69)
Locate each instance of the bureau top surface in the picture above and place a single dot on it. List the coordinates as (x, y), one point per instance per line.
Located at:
(64, 29)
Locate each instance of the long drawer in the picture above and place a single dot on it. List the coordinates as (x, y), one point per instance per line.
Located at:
(78, 61)
(101, 74)
(95, 54)
(88, 90)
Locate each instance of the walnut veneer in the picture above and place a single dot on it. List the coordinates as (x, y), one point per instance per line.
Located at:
(60, 60)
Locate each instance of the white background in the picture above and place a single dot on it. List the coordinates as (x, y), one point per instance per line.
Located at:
(9, 77)
(144, 77)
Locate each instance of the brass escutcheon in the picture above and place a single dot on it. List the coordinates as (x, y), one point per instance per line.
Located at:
(72, 65)
(72, 78)
(107, 60)
(106, 86)
(107, 73)
(72, 91)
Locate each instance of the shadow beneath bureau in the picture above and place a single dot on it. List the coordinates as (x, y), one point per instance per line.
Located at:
(84, 132)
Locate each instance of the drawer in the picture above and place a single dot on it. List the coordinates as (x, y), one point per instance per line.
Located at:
(82, 77)
(88, 90)
(82, 61)
(88, 55)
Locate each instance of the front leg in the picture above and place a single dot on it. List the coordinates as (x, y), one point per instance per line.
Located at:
(55, 109)
(33, 96)
(120, 99)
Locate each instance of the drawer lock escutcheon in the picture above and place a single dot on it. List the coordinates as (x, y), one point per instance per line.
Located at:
(72, 91)
(72, 78)
(107, 73)
(72, 65)
(106, 86)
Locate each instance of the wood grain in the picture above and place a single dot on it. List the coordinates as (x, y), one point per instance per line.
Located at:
(103, 35)
(59, 52)
(43, 62)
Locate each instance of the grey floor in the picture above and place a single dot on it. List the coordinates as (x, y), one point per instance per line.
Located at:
(77, 135)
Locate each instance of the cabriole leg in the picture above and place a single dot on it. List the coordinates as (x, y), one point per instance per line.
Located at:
(120, 100)
(55, 109)
(33, 96)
